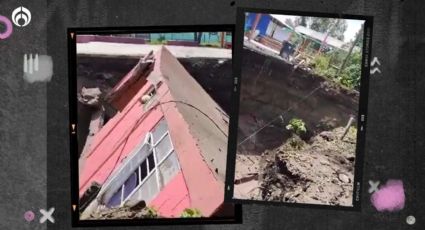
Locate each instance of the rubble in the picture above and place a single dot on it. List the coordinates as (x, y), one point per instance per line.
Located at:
(136, 212)
(90, 96)
(318, 172)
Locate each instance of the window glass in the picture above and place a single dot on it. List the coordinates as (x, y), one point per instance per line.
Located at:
(149, 189)
(143, 170)
(163, 147)
(151, 161)
(144, 163)
(130, 184)
(115, 199)
(169, 168)
(159, 130)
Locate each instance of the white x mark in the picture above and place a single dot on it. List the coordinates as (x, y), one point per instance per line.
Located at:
(47, 215)
(373, 186)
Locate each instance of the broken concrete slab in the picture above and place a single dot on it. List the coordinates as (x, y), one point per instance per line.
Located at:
(89, 96)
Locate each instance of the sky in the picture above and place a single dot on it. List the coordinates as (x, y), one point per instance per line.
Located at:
(352, 25)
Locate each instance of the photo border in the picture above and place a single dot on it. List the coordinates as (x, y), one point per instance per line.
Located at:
(72, 80)
(361, 115)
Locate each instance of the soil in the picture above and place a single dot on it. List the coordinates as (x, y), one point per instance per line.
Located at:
(319, 171)
(136, 212)
(271, 87)
(274, 164)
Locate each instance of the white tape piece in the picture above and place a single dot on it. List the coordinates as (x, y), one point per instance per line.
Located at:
(38, 68)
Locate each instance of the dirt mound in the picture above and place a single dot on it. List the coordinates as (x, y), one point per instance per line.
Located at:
(319, 171)
(272, 88)
(136, 212)
(279, 183)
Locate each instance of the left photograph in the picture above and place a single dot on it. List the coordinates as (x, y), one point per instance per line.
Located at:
(149, 132)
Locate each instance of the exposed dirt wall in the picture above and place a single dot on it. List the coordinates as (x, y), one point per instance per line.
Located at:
(271, 87)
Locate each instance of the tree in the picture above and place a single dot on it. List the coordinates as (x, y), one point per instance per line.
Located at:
(353, 81)
(350, 76)
(198, 37)
(289, 22)
(335, 27)
(359, 42)
(301, 21)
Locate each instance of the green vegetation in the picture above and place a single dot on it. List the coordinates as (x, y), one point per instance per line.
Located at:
(162, 38)
(296, 39)
(350, 76)
(321, 66)
(191, 213)
(326, 65)
(211, 44)
(327, 61)
(297, 126)
(352, 131)
(335, 27)
(160, 41)
(296, 143)
(151, 212)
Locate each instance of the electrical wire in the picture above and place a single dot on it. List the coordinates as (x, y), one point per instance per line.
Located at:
(280, 115)
(206, 115)
(139, 121)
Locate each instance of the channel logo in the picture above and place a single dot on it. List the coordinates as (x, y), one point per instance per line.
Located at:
(21, 16)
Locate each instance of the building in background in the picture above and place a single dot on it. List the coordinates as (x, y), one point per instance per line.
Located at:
(210, 39)
(273, 31)
(195, 38)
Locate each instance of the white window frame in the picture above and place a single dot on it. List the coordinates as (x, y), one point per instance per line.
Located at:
(157, 165)
(152, 150)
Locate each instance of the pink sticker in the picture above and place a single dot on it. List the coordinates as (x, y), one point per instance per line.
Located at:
(390, 197)
(8, 25)
(29, 216)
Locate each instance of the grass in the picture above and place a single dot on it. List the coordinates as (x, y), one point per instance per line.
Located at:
(297, 126)
(191, 213)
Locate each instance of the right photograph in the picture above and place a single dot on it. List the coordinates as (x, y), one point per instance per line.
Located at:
(302, 108)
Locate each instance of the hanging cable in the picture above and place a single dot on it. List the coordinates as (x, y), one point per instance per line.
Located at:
(137, 123)
(280, 115)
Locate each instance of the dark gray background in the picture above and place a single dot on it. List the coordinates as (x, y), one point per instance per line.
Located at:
(34, 117)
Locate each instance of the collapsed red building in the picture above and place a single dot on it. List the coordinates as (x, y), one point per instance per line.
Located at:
(166, 145)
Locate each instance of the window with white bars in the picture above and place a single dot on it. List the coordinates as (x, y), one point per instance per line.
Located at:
(158, 166)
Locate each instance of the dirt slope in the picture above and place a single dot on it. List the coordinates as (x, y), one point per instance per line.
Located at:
(318, 172)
